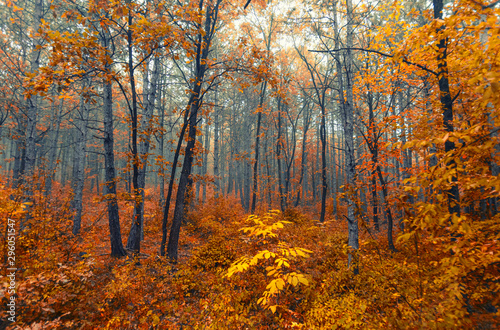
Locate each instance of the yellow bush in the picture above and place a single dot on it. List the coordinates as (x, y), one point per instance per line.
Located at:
(215, 254)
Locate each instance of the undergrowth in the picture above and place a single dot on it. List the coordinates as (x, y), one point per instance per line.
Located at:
(266, 271)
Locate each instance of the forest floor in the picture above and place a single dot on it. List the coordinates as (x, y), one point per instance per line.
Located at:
(270, 271)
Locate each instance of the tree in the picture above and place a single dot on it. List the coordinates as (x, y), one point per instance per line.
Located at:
(202, 47)
(321, 83)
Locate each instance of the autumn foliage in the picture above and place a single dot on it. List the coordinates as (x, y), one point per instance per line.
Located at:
(305, 165)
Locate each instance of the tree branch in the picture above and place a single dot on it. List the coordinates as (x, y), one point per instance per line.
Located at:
(375, 52)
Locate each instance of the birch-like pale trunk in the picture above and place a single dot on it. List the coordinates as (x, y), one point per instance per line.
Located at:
(80, 149)
(348, 123)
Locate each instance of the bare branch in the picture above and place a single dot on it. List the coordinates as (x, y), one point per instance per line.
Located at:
(375, 52)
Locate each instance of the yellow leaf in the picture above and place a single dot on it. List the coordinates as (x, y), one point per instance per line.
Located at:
(280, 284)
(303, 280)
(272, 287)
(446, 137)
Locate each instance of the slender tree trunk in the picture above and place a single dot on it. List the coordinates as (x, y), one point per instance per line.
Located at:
(79, 162)
(303, 189)
(315, 171)
(166, 208)
(19, 160)
(136, 233)
(203, 46)
(52, 161)
(247, 183)
(334, 189)
(134, 238)
(324, 186)
(348, 123)
(257, 145)
(269, 183)
(161, 170)
(12, 153)
(278, 159)
(206, 146)
(390, 220)
(182, 188)
(230, 165)
(216, 150)
(290, 157)
(374, 151)
(117, 249)
(447, 107)
(240, 182)
(32, 115)
(32, 102)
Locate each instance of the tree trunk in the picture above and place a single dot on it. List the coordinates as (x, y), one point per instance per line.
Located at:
(390, 220)
(303, 171)
(447, 107)
(182, 188)
(79, 162)
(52, 161)
(278, 159)
(348, 118)
(161, 170)
(134, 238)
(166, 208)
(374, 151)
(257, 145)
(117, 249)
(334, 189)
(322, 135)
(206, 146)
(32, 115)
(216, 149)
(202, 51)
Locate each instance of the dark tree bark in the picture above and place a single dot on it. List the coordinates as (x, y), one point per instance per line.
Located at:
(291, 142)
(447, 107)
(32, 102)
(279, 144)
(117, 249)
(161, 146)
(334, 184)
(322, 134)
(204, 168)
(134, 238)
(302, 185)
(166, 207)
(216, 148)
(51, 161)
(321, 85)
(31, 133)
(141, 159)
(373, 146)
(257, 145)
(202, 50)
